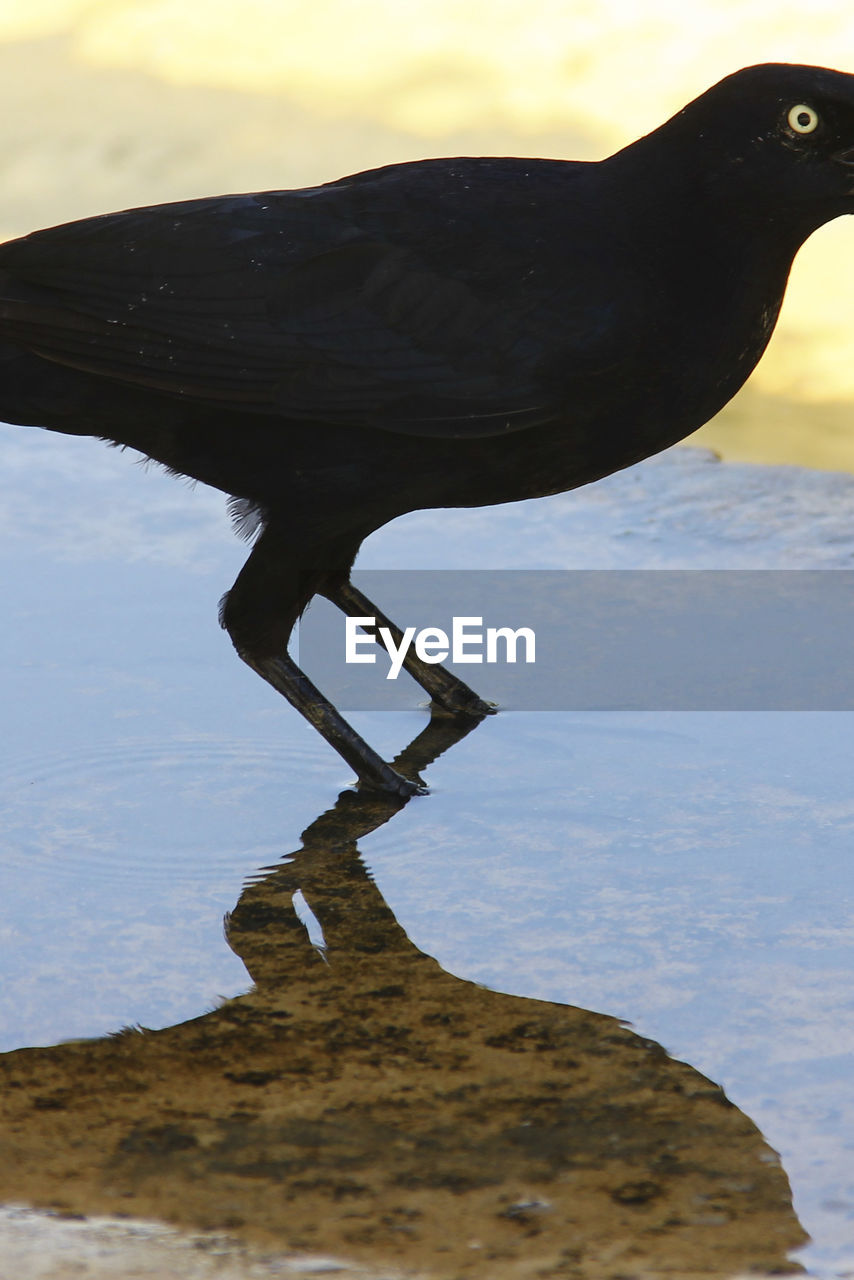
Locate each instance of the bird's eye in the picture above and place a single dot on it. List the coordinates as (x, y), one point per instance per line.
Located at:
(803, 119)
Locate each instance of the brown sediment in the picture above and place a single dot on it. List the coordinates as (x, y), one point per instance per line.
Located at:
(368, 1104)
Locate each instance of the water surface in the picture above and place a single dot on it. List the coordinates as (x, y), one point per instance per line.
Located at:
(689, 873)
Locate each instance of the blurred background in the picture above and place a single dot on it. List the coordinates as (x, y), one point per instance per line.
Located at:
(106, 104)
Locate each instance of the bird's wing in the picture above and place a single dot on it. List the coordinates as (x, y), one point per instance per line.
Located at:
(278, 306)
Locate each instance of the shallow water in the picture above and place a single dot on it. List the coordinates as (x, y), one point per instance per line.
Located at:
(689, 873)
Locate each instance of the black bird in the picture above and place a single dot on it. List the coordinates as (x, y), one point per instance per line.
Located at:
(445, 333)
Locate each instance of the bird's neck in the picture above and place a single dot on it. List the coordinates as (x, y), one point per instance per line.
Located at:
(692, 208)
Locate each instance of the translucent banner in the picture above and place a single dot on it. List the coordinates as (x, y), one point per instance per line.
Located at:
(594, 640)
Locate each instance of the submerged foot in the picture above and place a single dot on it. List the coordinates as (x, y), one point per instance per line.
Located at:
(390, 782)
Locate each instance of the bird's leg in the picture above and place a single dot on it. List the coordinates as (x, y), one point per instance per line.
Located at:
(285, 676)
(446, 690)
(259, 613)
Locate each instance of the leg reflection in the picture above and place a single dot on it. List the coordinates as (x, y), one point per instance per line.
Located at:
(374, 1107)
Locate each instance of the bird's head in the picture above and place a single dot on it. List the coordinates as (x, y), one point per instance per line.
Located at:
(776, 139)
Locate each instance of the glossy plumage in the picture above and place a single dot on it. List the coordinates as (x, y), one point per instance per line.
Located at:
(443, 333)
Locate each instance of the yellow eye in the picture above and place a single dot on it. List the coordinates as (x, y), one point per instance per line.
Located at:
(802, 119)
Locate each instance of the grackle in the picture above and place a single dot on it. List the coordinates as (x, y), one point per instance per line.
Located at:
(443, 333)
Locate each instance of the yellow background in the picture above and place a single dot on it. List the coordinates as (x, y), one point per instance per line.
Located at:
(111, 103)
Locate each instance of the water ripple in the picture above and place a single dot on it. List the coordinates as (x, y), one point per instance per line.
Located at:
(144, 809)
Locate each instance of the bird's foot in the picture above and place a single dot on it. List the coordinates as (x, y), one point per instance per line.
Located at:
(389, 782)
(462, 704)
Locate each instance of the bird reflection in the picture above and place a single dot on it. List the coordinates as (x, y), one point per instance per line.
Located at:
(359, 1101)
